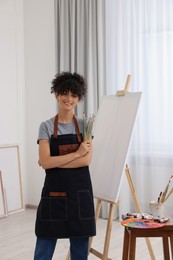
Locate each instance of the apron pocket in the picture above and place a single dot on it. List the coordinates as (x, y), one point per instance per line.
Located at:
(45, 209)
(85, 204)
(53, 208)
(58, 208)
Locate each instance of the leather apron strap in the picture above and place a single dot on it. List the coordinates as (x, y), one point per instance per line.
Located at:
(76, 128)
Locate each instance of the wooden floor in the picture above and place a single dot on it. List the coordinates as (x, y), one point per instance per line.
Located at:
(17, 240)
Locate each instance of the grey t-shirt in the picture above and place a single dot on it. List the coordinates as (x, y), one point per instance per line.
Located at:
(46, 129)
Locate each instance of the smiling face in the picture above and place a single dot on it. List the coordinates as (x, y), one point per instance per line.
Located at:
(67, 101)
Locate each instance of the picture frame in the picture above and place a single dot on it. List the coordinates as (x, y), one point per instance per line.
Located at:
(3, 208)
(11, 187)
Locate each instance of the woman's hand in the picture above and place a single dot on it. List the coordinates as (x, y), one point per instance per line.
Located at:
(82, 159)
(84, 148)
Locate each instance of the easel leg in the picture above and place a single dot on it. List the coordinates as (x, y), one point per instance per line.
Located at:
(108, 231)
(98, 208)
(68, 255)
(150, 249)
(104, 256)
(138, 208)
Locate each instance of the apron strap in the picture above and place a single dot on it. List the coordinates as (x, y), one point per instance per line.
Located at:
(56, 126)
(76, 128)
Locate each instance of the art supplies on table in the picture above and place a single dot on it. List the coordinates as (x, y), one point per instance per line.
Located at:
(141, 223)
(157, 209)
(144, 216)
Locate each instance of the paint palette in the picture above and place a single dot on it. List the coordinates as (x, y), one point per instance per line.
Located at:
(141, 223)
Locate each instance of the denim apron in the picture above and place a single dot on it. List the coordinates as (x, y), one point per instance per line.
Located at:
(66, 208)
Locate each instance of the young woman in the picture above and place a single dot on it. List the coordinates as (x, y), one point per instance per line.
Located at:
(66, 208)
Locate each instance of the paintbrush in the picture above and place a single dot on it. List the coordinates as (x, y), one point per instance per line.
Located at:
(171, 191)
(162, 199)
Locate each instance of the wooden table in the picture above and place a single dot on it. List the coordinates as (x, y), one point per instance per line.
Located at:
(130, 235)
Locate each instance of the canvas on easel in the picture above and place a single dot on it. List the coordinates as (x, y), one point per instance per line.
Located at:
(112, 135)
(113, 129)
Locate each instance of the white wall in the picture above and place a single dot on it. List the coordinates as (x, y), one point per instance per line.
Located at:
(12, 72)
(39, 53)
(27, 65)
(12, 88)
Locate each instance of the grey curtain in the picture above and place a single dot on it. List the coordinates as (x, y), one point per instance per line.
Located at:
(80, 45)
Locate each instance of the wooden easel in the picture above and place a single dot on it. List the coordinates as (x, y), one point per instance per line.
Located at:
(104, 256)
(113, 204)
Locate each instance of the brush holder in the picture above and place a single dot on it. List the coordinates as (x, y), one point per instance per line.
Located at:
(157, 209)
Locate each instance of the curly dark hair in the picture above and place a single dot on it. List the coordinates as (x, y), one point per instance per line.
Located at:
(67, 81)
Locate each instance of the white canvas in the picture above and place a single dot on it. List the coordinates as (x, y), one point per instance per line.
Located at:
(112, 133)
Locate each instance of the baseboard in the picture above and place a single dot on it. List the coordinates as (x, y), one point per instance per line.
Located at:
(30, 206)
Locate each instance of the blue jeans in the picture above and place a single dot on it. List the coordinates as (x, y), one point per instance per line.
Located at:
(78, 248)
